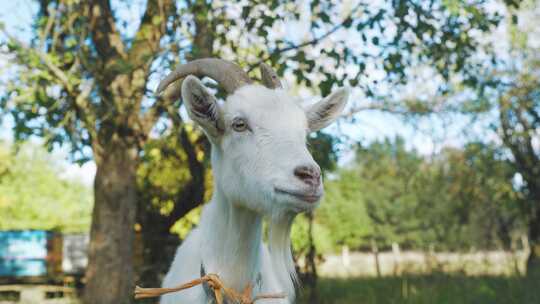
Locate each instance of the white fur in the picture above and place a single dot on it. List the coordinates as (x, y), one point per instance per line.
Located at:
(247, 167)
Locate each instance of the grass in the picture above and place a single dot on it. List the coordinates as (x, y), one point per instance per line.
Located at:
(439, 289)
(428, 289)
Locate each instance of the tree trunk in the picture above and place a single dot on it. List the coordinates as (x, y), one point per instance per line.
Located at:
(109, 275)
(311, 277)
(158, 245)
(533, 262)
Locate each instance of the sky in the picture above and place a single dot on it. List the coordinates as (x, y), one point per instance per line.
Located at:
(427, 137)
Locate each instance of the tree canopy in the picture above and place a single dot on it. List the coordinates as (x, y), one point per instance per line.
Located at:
(64, 89)
(459, 199)
(33, 195)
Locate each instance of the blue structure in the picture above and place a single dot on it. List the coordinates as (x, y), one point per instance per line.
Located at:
(24, 253)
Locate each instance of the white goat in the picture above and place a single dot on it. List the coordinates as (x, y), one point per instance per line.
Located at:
(261, 168)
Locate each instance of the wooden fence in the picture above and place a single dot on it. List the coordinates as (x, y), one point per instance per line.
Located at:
(397, 262)
(33, 294)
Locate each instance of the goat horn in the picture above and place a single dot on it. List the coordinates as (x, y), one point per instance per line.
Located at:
(227, 74)
(269, 77)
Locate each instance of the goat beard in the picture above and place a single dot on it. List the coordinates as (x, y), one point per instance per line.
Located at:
(279, 243)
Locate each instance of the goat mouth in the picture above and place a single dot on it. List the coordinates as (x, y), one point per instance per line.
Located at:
(309, 197)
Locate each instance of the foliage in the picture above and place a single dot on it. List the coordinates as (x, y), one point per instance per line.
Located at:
(458, 199)
(173, 180)
(343, 212)
(428, 289)
(387, 169)
(69, 76)
(323, 148)
(476, 197)
(512, 107)
(168, 187)
(300, 236)
(78, 86)
(33, 195)
(519, 128)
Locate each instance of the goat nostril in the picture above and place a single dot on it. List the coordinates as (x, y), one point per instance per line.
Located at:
(308, 174)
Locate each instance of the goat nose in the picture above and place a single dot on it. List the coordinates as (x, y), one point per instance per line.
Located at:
(310, 174)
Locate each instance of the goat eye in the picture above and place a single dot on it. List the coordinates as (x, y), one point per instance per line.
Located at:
(239, 125)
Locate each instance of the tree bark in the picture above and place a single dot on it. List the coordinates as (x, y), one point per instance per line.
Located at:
(311, 265)
(526, 159)
(158, 249)
(109, 275)
(533, 262)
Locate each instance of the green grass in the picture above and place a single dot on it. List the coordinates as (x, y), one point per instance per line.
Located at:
(439, 289)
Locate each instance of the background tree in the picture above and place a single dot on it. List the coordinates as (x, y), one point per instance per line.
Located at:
(168, 190)
(388, 169)
(468, 199)
(83, 79)
(518, 105)
(343, 213)
(458, 199)
(509, 99)
(33, 195)
(519, 116)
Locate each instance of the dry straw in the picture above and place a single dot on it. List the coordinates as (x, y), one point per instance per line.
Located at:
(221, 292)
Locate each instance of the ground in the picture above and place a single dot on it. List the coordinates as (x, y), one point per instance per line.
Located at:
(428, 289)
(440, 289)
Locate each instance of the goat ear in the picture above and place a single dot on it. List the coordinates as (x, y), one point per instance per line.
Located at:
(202, 106)
(326, 111)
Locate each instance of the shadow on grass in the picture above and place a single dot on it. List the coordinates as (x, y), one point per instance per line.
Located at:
(437, 288)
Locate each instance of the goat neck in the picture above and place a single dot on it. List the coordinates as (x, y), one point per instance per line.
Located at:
(233, 241)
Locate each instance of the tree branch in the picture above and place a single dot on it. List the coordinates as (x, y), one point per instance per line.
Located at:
(105, 36)
(373, 107)
(193, 192)
(56, 71)
(79, 98)
(313, 41)
(203, 42)
(153, 26)
(87, 116)
(50, 21)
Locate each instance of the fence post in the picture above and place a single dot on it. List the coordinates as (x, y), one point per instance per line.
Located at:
(525, 243)
(429, 255)
(345, 257)
(375, 251)
(526, 251)
(397, 258)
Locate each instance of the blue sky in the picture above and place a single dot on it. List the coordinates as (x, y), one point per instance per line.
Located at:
(428, 136)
